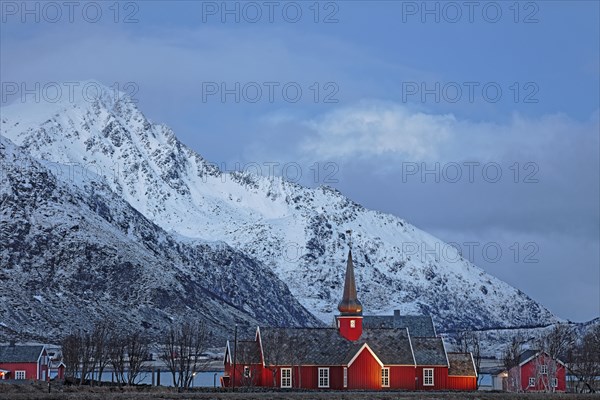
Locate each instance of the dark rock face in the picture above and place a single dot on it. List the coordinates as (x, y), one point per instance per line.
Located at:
(71, 256)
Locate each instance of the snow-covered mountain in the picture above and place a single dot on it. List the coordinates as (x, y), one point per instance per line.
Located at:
(71, 255)
(299, 233)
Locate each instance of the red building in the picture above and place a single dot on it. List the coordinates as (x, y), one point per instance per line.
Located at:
(537, 372)
(359, 352)
(24, 362)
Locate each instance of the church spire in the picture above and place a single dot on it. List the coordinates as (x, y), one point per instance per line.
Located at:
(350, 304)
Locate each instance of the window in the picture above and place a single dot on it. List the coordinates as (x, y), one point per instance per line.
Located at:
(345, 376)
(323, 377)
(543, 369)
(246, 372)
(554, 382)
(428, 377)
(531, 381)
(385, 377)
(286, 377)
(352, 323)
(19, 374)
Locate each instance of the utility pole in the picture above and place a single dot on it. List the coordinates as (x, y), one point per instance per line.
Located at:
(234, 356)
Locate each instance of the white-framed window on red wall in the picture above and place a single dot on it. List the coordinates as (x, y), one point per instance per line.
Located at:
(427, 376)
(286, 377)
(19, 374)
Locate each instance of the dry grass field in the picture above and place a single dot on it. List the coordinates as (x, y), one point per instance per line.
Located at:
(39, 392)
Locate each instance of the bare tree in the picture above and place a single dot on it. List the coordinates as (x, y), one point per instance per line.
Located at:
(275, 348)
(70, 347)
(100, 338)
(469, 342)
(554, 346)
(118, 357)
(137, 349)
(510, 359)
(181, 352)
(585, 365)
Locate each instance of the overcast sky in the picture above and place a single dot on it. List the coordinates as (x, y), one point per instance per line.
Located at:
(476, 121)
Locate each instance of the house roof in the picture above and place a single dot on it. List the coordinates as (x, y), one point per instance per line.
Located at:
(417, 325)
(526, 355)
(15, 354)
(429, 351)
(248, 352)
(461, 364)
(325, 346)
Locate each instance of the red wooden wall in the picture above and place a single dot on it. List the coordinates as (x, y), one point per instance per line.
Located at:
(440, 378)
(365, 372)
(462, 383)
(402, 377)
(31, 370)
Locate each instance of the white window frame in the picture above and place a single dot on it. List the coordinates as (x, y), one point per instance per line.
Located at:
(385, 377)
(428, 377)
(531, 382)
(345, 377)
(246, 371)
(352, 323)
(286, 381)
(323, 377)
(554, 382)
(544, 369)
(20, 375)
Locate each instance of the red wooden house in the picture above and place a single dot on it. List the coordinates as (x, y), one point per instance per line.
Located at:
(368, 353)
(23, 362)
(537, 372)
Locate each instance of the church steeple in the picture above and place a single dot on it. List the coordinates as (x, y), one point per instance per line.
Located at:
(350, 305)
(349, 321)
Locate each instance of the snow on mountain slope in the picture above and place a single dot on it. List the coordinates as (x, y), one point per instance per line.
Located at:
(298, 232)
(70, 256)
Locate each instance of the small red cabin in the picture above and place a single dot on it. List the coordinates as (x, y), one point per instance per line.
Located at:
(24, 362)
(537, 372)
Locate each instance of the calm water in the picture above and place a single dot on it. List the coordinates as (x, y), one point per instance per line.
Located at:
(202, 379)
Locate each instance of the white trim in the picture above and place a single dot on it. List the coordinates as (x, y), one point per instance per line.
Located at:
(387, 377)
(281, 378)
(531, 382)
(325, 377)
(39, 367)
(227, 354)
(474, 368)
(360, 351)
(412, 351)
(432, 377)
(259, 338)
(345, 377)
(445, 353)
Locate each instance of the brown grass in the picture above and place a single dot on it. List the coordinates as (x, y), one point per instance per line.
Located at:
(39, 392)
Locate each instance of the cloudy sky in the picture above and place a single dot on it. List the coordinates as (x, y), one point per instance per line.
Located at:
(476, 121)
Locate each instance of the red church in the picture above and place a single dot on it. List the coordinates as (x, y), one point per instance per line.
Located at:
(359, 352)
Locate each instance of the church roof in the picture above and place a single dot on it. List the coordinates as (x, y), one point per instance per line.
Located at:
(429, 351)
(461, 364)
(417, 325)
(325, 346)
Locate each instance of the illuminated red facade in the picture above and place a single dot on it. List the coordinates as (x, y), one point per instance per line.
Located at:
(360, 352)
